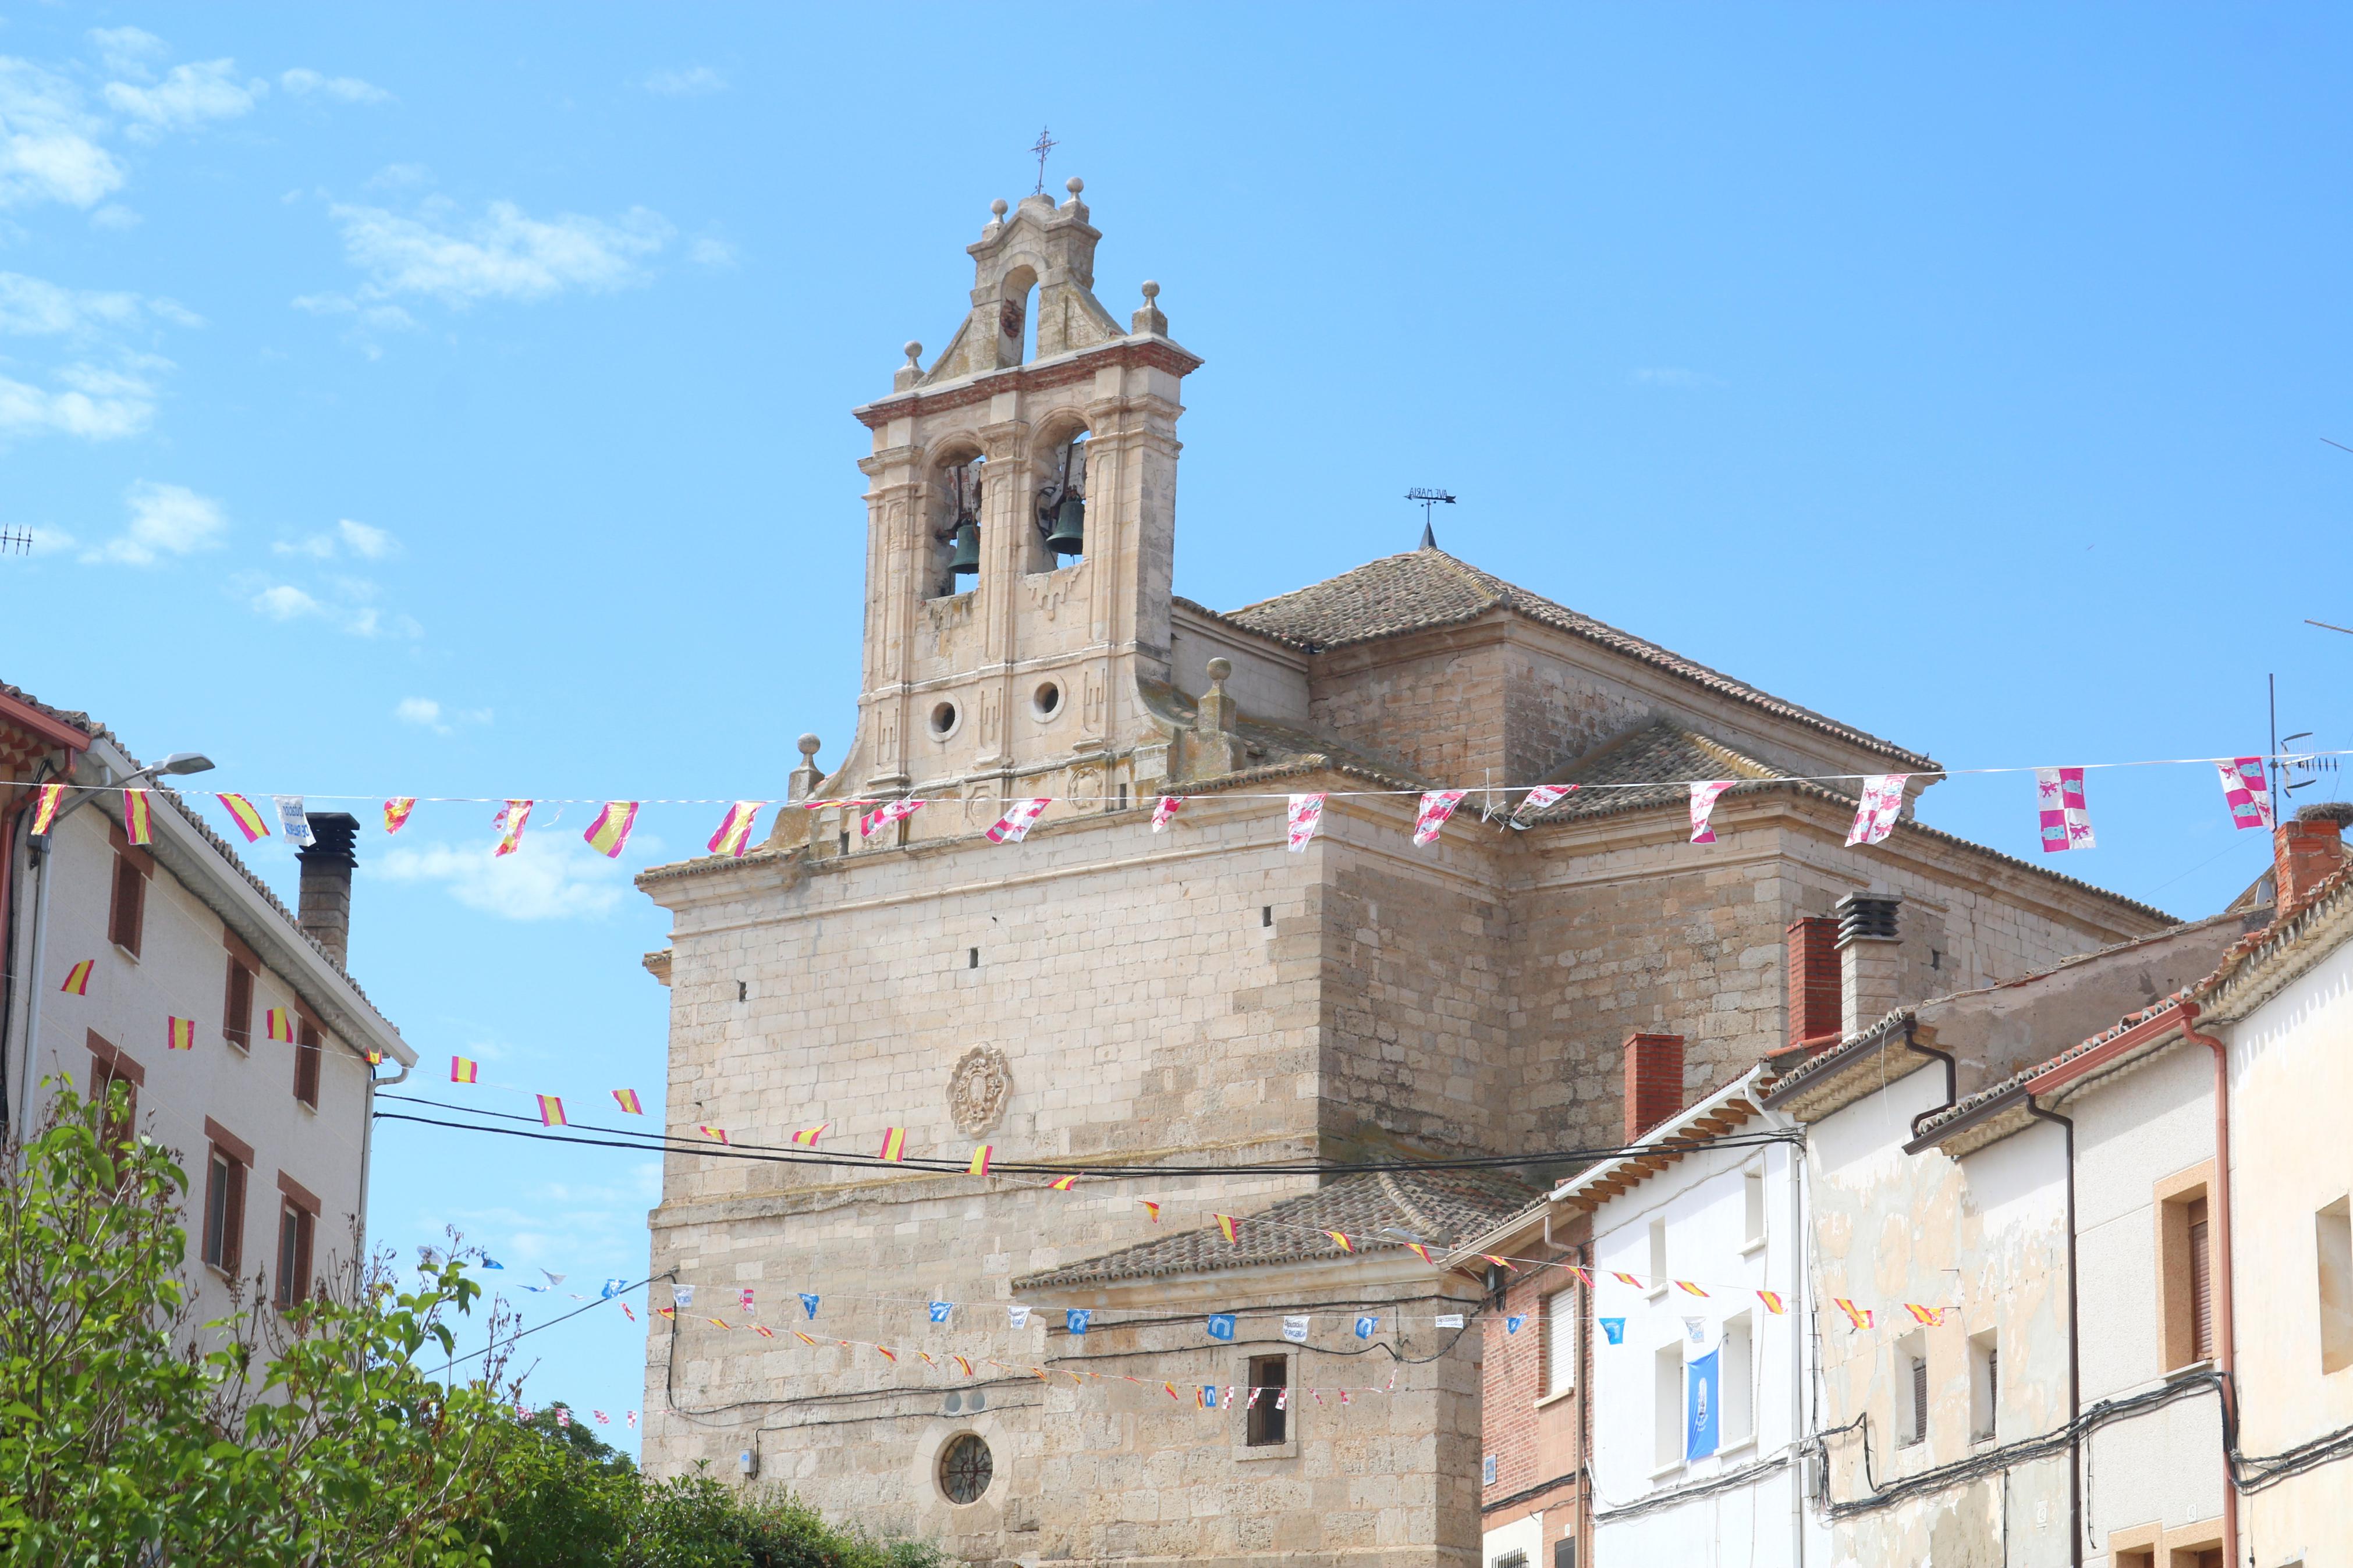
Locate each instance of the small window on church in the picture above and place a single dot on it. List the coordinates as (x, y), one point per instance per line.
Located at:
(1047, 699)
(953, 557)
(944, 719)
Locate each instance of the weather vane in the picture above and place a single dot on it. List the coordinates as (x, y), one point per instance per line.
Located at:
(1046, 144)
(1428, 499)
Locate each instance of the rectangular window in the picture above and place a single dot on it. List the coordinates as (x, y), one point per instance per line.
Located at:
(2334, 1234)
(1269, 1423)
(1911, 1391)
(1752, 1195)
(225, 1210)
(1739, 1380)
(1564, 1552)
(2201, 1286)
(295, 1226)
(1657, 1282)
(1667, 1404)
(126, 919)
(1512, 1559)
(307, 1053)
(2185, 1285)
(109, 1067)
(1560, 1342)
(237, 1006)
(1985, 1386)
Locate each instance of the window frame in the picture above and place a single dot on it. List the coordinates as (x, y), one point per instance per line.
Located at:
(310, 1053)
(1912, 1390)
(126, 909)
(1737, 1393)
(110, 1066)
(2332, 1245)
(1265, 1425)
(1667, 1396)
(2176, 1199)
(228, 1168)
(1559, 1320)
(297, 1223)
(237, 1021)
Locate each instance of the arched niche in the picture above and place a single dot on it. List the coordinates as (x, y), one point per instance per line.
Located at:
(1060, 509)
(1013, 314)
(958, 476)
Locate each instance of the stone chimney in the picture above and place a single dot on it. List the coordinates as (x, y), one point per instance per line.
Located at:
(325, 909)
(1655, 1081)
(1816, 1008)
(1869, 961)
(2307, 849)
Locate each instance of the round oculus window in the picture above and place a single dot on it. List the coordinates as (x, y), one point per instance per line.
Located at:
(965, 1466)
(943, 718)
(1047, 699)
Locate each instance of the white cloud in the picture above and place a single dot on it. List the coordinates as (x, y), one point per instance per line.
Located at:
(426, 714)
(504, 255)
(166, 519)
(693, 81)
(115, 216)
(47, 147)
(303, 82)
(100, 402)
(32, 307)
(189, 97)
(708, 252)
(286, 602)
(370, 544)
(49, 541)
(552, 876)
(129, 52)
(399, 177)
(390, 318)
(342, 602)
(1669, 375)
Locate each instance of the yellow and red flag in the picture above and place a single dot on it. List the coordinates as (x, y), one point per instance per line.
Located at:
(1418, 1251)
(1340, 1239)
(1225, 1226)
(1688, 1289)
(716, 1322)
(510, 823)
(1171, 1388)
(1151, 1208)
(628, 1100)
(277, 1024)
(963, 1363)
(887, 1354)
(137, 826)
(1932, 1316)
(461, 1070)
(1506, 1264)
(77, 978)
(808, 1136)
(1859, 1316)
(395, 812)
(179, 1034)
(551, 1111)
(894, 1144)
(718, 1134)
(1626, 1279)
(765, 1332)
(1583, 1278)
(803, 1337)
(734, 833)
(1772, 1300)
(669, 1312)
(979, 1166)
(1063, 1183)
(611, 829)
(44, 807)
(248, 821)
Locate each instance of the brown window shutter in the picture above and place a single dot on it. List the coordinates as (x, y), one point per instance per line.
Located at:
(2201, 1286)
(127, 918)
(306, 1065)
(1920, 1399)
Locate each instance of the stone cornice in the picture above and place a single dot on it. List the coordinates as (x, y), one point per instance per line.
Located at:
(1149, 353)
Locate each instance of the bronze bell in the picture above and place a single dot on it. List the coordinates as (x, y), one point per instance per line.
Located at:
(966, 562)
(1069, 534)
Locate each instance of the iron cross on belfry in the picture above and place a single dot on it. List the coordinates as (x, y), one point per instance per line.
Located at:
(1046, 144)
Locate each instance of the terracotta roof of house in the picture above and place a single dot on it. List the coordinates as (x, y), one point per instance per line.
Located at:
(1426, 588)
(1437, 1208)
(1663, 750)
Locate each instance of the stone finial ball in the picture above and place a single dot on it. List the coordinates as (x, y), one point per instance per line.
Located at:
(1151, 289)
(913, 350)
(998, 206)
(1075, 184)
(1220, 667)
(808, 745)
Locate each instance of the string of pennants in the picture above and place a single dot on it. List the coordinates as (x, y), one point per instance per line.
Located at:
(2062, 809)
(277, 1024)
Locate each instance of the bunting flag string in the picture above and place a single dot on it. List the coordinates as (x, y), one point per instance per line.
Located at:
(395, 813)
(46, 802)
(1305, 817)
(77, 978)
(137, 826)
(277, 1024)
(2245, 791)
(883, 815)
(510, 825)
(1875, 813)
(2065, 817)
(628, 1100)
(734, 833)
(1430, 817)
(610, 832)
(179, 1034)
(1702, 803)
(551, 1111)
(1165, 810)
(249, 820)
(1019, 818)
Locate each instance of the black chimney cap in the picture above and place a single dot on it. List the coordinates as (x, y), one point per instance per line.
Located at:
(334, 832)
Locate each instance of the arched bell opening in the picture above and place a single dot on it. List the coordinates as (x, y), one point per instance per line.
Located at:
(1059, 492)
(1013, 313)
(952, 559)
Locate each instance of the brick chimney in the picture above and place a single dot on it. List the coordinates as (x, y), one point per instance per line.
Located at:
(1814, 988)
(2306, 849)
(1655, 1081)
(325, 907)
(1869, 962)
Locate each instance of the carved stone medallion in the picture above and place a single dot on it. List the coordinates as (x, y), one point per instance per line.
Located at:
(979, 1089)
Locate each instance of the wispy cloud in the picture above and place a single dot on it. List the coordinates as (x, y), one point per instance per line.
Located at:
(189, 96)
(345, 604)
(505, 254)
(130, 52)
(716, 254)
(31, 307)
(304, 83)
(48, 147)
(426, 714)
(96, 402)
(689, 81)
(552, 877)
(358, 538)
(166, 521)
(1670, 375)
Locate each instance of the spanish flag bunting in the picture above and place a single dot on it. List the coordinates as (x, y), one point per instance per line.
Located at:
(1063, 1183)
(1932, 1316)
(1772, 1300)
(461, 1070)
(733, 834)
(894, 1145)
(627, 1098)
(248, 821)
(1340, 1239)
(509, 822)
(1225, 1225)
(963, 1363)
(717, 1134)
(1859, 1316)
(1688, 1289)
(1583, 1278)
(669, 1312)
(376, 1059)
(1171, 1388)
(1151, 1208)
(77, 978)
(716, 1322)
(765, 1332)
(277, 1024)
(1418, 1251)
(180, 1034)
(1506, 1264)
(927, 1358)
(979, 1166)
(610, 831)
(44, 807)
(803, 1337)
(1626, 1279)
(808, 1136)
(551, 1111)
(395, 812)
(887, 1354)
(136, 825)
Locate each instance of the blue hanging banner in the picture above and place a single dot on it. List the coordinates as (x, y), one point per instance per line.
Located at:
(1615, 1328)
(1701, 1388)
(1221, 1325)
(1368, 1327)
(1076, 1318)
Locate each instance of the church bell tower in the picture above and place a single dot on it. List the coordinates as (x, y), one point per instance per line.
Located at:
(1020, 537)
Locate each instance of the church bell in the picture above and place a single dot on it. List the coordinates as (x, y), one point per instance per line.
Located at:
(1069, 534)
(966, 562)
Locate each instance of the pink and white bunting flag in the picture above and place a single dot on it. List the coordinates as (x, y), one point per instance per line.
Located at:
(2248, 792)
(633, 1419)
(1015, 825)
(1876, 813)
(509, 821)
(1536, 799)
(883, 816)
(2066, 817)
(734, 833)
(1435, 807)
(1703, 802)
(1306, 816)
(1165, 810)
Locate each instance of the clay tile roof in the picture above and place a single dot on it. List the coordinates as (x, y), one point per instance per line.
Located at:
(1659, 751)
(1438, 1208)
(1425, 588)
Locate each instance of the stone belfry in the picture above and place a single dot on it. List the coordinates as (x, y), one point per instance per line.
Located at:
(1020, 534)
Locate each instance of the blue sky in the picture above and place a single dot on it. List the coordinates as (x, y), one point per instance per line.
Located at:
(453, 401)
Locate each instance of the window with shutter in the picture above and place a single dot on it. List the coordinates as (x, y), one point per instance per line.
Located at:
(126, 920)
(1919, 1399)
(306, 1065)
(237, 1006)
(1560, 1343)
(2201, 1287)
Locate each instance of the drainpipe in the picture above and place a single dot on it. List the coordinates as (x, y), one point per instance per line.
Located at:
(8, 987)
(2222, 1271)
(2075, 1352)
(1952, 1080)
(367, 1149)
(30, 1047)
(1800, 1314)
(1582, 1253)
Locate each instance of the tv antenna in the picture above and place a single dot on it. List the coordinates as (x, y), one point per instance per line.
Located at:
(15, 541)
(1428, 497)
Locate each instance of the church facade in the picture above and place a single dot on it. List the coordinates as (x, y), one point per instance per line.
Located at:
(1198, 1003)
